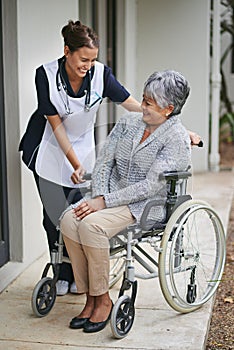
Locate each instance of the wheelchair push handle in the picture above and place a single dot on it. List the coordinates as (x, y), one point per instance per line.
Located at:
(199, 144)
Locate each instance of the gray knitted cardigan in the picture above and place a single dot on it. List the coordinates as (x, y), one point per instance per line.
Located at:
(127, 171)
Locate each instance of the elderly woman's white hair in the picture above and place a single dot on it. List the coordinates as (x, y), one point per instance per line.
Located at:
(167, 88)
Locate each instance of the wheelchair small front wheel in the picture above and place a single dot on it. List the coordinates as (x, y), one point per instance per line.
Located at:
(43, 297)
(122, 317)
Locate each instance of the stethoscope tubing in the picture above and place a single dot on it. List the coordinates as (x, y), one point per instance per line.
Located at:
(60, 82)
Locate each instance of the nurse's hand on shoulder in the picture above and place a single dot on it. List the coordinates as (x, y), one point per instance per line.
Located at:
(77, 175)
(195, 138)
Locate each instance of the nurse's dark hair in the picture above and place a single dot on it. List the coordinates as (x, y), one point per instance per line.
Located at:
(77, 35)
(167, 88)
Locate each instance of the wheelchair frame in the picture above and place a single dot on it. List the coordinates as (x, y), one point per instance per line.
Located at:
(189, 255)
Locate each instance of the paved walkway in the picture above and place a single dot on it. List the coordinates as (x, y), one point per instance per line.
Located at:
(156, 325)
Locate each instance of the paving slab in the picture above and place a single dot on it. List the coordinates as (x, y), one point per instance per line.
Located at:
(156, 325)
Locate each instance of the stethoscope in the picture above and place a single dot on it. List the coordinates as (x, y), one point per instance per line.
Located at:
(61, 83)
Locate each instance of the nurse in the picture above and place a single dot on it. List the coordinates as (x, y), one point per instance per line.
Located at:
(69, 91)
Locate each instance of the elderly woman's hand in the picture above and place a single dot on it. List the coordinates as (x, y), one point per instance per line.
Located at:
(88, 207)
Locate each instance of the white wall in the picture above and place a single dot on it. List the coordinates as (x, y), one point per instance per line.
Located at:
(39, 41)
(175, 35)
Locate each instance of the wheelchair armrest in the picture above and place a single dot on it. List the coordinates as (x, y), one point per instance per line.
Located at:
(87, 176)
(145, 223)
(174, 175)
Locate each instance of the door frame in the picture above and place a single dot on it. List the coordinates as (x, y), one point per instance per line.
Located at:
(4, 236)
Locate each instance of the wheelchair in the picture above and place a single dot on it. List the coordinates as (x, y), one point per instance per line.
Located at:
(186, 252)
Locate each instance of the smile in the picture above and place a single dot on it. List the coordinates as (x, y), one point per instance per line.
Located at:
(83, 71)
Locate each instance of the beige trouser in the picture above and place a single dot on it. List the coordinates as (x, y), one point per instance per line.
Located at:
(87, 243)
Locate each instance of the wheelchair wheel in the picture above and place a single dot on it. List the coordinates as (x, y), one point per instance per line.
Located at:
(192, 256)
(117, 265)
(43, 297)
(122, 317)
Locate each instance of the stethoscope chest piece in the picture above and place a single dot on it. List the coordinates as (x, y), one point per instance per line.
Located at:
(86, 108)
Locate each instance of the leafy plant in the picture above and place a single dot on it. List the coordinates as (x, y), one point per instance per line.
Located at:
(227, 117)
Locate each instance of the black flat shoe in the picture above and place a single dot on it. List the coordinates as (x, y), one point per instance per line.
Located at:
(78, 322)
(91, 327)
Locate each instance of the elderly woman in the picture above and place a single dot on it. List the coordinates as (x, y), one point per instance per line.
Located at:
(125, 178)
